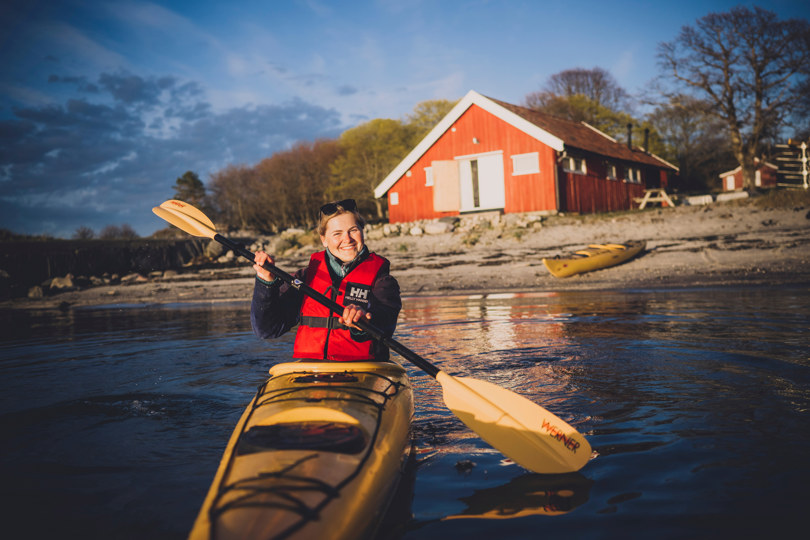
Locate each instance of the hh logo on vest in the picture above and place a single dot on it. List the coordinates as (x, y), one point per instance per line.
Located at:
(357, 294)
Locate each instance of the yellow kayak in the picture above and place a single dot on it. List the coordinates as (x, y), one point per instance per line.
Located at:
(596, 256)
(317, 454)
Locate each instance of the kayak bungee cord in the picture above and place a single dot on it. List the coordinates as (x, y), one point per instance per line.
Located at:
(256, 486)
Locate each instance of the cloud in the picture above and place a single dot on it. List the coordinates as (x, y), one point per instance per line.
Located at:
(346, 90)
(72, 43)
(107, 157)
(79, 82)
(132, 89)
(321, 9)
(624, 65)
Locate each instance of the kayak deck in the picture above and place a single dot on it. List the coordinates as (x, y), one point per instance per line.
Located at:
(594, 257)
(318, 453)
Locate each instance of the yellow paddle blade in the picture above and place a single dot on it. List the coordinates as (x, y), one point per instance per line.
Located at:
(187, 209)
(520, 429)
(185, 222)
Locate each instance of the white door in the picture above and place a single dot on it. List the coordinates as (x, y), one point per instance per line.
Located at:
(481, 182)
(446, 196)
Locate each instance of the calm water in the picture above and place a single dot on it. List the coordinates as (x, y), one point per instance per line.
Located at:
(112, 421)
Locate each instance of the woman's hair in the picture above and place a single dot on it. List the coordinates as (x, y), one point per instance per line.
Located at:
(361, 222)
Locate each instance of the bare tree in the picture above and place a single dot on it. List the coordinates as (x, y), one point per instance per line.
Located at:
(84, 233)
(693, 139)
(749, 66)
(596, 84)
(592, 96)
(233, 190)
(281, 191)
(118, 232)
(294, 182)
(128, 233)
(802, 115)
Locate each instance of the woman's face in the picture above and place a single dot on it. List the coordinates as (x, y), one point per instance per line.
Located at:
(344, 237)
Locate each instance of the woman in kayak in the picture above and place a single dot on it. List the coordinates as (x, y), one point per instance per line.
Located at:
(347, 273)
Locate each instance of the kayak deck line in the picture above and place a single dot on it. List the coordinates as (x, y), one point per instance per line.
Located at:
(331, 492)
(313, 433)
(599, 247)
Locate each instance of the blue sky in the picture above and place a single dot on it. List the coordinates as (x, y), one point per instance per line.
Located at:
(104, 104)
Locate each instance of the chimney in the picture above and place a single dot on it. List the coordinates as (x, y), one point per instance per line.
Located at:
(630, 136)
(647, 140)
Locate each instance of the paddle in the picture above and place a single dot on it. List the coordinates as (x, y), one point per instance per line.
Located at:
(520, 429)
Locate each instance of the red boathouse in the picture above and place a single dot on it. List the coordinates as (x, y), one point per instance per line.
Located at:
(488, 155)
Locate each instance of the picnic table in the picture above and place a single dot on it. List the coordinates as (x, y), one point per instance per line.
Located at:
(654, 195)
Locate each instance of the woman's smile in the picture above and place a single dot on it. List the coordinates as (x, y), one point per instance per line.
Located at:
(344, 237)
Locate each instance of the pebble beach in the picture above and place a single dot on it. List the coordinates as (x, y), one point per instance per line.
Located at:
(737, 243)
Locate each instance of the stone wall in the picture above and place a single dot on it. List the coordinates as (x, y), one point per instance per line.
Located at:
(27, 263)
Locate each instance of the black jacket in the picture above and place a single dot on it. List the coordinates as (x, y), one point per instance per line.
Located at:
(276, 306)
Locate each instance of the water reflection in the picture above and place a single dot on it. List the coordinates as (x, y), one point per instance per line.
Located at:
(695, 403)
(527, 495)
(518, 341)
(676, 391)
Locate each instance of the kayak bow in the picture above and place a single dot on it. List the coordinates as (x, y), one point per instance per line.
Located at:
(318, 453)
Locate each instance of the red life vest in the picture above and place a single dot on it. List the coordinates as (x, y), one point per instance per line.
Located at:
(320, 336)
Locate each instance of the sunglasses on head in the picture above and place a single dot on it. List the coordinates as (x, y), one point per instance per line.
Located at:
(346, 204)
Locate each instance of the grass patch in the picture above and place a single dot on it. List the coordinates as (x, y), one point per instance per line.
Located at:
(286, 244)
(783, 198)
(471, 239)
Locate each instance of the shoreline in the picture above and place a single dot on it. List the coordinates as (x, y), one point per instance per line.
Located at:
(738, 244)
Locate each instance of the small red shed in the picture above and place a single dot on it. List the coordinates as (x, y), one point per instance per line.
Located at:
(488, 155)
(764, 176)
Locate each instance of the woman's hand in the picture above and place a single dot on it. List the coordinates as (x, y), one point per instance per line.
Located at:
(260, 258)
(352, 314)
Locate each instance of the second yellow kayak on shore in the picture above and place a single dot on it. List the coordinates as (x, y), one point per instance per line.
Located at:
(594, 257)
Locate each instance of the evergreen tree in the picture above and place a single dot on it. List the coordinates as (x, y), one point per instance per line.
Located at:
(189, 188)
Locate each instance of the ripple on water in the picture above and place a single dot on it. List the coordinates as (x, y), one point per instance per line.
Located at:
(695, 403)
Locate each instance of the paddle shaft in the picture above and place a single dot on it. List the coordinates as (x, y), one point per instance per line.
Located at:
(363, 324)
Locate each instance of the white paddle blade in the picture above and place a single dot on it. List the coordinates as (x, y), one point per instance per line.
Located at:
(520, 429)
(187, 209)
(184, 222)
